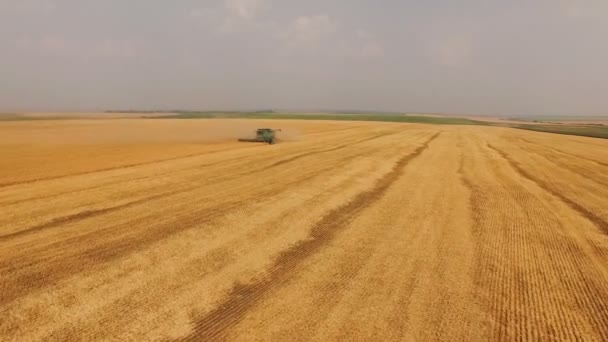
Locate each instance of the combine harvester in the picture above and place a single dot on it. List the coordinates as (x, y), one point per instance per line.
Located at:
(265, 135)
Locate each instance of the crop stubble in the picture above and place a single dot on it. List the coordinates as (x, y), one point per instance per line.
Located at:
(371, 231)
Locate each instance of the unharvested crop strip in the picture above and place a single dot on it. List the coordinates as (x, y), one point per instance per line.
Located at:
(245, 296)
(595, 219)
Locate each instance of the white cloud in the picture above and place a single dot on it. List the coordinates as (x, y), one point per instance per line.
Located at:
(244, 9)
(366, 47)
(48, 44)
(203, 13)
(308, 32)
(30, 6)
(323, 36)
(363, 34)
(312, 35)
(371, 51)
(114, 49)
(61, 46)
(233, 16)
(53, 44)
(583, 8)
(451, 51)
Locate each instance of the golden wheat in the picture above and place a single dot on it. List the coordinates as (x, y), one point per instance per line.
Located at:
(139, 229)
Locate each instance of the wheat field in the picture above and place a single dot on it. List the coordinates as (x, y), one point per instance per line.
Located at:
(160, 229)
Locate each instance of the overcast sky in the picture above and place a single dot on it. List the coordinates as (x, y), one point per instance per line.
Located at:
(495, 57)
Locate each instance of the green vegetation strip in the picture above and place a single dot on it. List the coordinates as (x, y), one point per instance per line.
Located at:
(20, 117)
(593, 131)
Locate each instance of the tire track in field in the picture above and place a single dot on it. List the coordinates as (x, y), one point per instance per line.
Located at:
(595, 219)
(245, 296)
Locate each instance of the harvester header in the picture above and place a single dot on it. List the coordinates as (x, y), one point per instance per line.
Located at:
(265, 135)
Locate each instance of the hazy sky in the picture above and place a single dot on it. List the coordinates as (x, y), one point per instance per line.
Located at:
(542, 57)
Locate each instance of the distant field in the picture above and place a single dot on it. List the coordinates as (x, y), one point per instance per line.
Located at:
(331, 116)
(161, 230)
(18, 117)
(76, 115)
(571, 119)
(590, 130)
(595, 129)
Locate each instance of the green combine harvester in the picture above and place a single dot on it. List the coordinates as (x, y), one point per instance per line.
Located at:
(265, 135)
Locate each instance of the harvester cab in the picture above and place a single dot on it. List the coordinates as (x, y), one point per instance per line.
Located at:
(265, 135)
